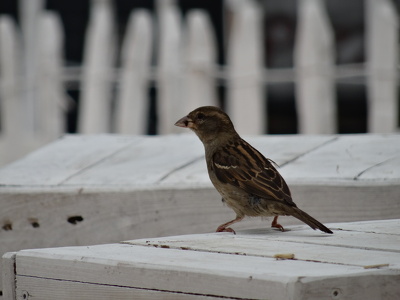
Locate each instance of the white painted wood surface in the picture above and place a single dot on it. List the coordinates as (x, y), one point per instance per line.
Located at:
(314, 60)
(8, 275)
(132, 104)
(383, 65)
(120, 187)
(360, 260)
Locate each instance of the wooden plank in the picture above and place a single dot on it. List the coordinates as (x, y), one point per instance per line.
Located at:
(7, 276)
(141, 164)
(190, 271)
(280, 150)
(369, 248)
(245, 60)
(378, 226)
(47, 217)
(46, 289)
(349, 158)
(301, 251)
(200, 60)
(354, 159)
(343, 202)
(55, 163)
(188, 264)
(314, 61)
(94, 113)
(158, 186)
(382, 50)
(132, 105)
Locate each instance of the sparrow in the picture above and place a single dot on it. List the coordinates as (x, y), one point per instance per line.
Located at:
(248, 182)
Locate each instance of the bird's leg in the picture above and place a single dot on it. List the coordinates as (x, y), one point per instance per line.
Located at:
(275, 224)
(224, 227)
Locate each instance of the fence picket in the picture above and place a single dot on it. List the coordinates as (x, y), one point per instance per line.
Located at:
(199, 61)
(51, 101)
(383, 62)
(32, 91)
(12, 106)
(246, 65)
(169, 70)
(95, 100)
(314, 59)
(132, 99)
(13, 109)
(30, 12)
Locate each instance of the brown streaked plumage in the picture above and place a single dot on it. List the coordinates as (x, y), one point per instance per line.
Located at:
(247, 181)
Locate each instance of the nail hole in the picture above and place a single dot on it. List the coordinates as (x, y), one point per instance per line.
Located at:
(75, 219)
(34, 222)
(7, 226)
(336, 293)
(25, 295)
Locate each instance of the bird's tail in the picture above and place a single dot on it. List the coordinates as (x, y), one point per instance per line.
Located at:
(310, 221)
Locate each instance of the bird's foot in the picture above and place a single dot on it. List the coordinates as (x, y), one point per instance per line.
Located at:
(279, 226)
(225, 229)
(275, 224)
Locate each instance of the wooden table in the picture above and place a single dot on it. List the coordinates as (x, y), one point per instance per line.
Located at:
(361, 260)
(87, 190)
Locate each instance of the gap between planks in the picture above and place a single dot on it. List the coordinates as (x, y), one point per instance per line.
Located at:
(180, 168)
(309, 151)
(100, 160)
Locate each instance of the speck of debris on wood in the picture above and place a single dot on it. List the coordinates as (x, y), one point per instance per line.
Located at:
(284, 256)
(376, 266)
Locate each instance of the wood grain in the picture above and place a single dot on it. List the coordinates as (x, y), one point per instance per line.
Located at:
(129, 187)
(220, 265)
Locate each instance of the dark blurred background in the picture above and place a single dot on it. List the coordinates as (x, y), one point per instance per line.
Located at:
(280, 19)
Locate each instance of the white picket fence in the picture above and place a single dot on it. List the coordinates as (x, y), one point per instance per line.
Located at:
(115, 98)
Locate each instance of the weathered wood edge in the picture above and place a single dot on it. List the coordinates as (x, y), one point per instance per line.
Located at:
(9, 275)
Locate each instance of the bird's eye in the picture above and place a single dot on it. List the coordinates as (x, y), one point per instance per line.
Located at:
(201, 116)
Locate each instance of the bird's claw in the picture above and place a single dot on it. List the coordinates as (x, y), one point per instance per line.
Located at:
(275, 224)
(225, 229)
(279, 226)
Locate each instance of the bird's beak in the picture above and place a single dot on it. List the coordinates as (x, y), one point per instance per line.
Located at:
(185, 122)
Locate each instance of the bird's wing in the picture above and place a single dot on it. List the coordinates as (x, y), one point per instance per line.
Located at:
(240, 165)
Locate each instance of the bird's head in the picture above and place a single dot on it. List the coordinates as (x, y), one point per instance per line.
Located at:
(209, 123)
